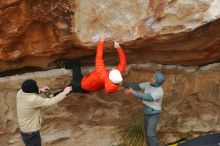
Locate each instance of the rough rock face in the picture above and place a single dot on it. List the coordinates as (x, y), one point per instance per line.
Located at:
(191, 104)
(34, 33)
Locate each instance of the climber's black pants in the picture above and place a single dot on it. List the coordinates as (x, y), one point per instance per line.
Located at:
(77, 77)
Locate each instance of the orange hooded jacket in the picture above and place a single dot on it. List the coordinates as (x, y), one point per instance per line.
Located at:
(98, 79)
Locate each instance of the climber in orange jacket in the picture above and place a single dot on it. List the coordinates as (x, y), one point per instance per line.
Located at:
(101, 77)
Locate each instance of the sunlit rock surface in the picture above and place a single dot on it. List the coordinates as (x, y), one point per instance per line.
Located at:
(129, 20)
(34, 33)
(191, 104)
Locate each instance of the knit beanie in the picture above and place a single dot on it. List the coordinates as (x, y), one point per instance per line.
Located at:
(30, 86)
(115, 76)
(160, 78)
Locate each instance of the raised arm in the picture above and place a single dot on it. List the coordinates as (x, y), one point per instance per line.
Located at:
(122, 58)
(99, 61)
(44, 102)
(148, 96)
(134, 86)
(156, 95)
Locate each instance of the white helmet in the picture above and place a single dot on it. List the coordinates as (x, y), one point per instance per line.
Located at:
(115, 76)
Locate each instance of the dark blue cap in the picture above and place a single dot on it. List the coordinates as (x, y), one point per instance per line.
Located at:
(30, 86)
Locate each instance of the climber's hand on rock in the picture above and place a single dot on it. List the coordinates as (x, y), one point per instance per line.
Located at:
(116, 45)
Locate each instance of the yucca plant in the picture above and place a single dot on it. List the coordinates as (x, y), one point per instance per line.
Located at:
(132, 132)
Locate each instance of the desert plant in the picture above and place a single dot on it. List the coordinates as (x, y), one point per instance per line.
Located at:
(132, 132)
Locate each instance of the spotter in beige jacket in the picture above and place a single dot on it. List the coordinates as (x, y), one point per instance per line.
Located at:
(29, 108)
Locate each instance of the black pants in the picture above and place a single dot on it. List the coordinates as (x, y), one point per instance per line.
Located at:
(77, 77)
(31, 139)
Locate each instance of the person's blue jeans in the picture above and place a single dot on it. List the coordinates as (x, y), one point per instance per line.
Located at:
(150, 125)
(31, 139)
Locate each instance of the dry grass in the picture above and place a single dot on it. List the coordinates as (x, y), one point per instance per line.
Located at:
(132, 132)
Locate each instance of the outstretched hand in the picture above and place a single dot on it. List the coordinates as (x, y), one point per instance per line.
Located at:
(67, 90)
(116, 45)
(44, 89)
(129, 91)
